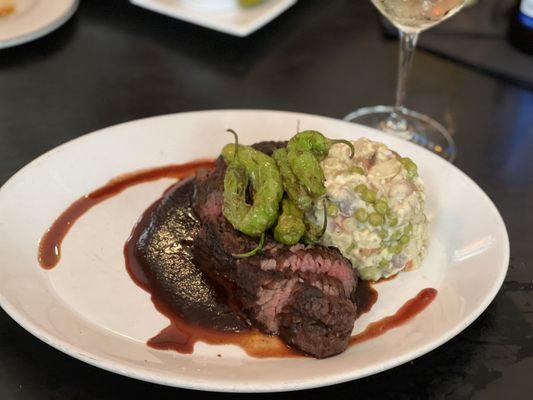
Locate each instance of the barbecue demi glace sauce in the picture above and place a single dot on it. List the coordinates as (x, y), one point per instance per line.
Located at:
(181, 335)
(50, 243)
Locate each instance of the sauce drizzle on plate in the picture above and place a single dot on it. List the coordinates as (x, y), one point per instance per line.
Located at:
(50, 244)
(406, 312)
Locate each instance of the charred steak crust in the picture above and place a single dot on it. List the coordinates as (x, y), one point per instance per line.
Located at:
(302, 293)
(268, 147)
(316, 323)
(165, 250)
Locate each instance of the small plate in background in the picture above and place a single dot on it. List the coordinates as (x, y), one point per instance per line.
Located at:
(33, 19)
(237, 21)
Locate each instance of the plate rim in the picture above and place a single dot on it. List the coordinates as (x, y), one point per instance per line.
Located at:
(106, 363)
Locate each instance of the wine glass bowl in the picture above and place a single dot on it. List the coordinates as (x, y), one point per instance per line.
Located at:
(417, 15)
(410, 17)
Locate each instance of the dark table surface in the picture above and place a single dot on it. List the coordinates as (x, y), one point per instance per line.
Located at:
(114, 62)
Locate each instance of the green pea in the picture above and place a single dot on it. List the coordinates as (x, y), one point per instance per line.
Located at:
(381, 207)
(404, 239)
(393, 221)
(409, 165)
(376, 219)
(396, 235)
(369, 196)
(383, 234)
(408, 229)
(361, 215)
(351, 247)
(397, 248)
(361, 188)
(384, 263)
(358, 170)
(332, 210)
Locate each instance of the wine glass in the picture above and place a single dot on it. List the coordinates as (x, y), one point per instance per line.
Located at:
(410, 17)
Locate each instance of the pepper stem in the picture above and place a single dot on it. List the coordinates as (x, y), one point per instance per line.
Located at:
(347, 143)
(254, 251)
(236, 142)
(325, 224)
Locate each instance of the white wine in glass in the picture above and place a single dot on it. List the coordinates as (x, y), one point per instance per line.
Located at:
(410, 17)
(417, 15)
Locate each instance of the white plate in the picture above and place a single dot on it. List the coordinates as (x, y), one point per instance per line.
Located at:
(33, 19)
(232, 20)
(88, 306)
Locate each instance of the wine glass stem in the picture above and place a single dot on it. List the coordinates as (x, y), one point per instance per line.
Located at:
(396, 122)
(407, 50)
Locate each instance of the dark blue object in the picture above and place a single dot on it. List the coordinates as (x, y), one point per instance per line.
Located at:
(525, 20)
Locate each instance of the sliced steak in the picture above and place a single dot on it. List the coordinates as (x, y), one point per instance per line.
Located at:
(317, 260)
(315, 323)
(302, 293)
(164, 250)
(268, 147)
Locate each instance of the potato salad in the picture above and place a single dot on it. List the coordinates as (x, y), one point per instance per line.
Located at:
(375, 208)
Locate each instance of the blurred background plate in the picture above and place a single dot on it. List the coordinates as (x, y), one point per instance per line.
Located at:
(237, 21)
(33, 19)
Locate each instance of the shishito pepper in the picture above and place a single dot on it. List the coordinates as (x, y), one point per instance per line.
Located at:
(293, 188)
(290, 227)
(305, 150)
(249, 166)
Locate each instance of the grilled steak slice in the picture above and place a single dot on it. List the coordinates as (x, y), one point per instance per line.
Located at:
(302, 293)
(268, 147)
(165, 251)
(315, 323)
